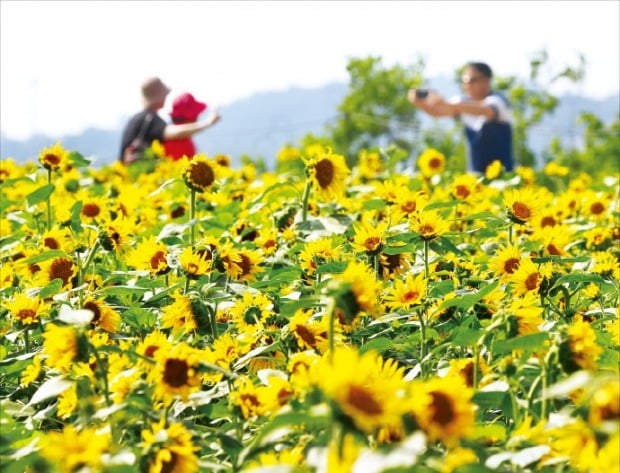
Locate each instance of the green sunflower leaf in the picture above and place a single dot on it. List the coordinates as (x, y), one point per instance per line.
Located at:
(40, 195)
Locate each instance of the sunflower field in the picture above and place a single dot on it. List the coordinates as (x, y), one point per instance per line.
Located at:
(192, 316)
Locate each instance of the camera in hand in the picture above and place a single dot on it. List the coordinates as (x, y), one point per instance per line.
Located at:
(421, 93)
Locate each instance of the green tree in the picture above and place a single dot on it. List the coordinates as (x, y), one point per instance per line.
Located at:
(599, 155)
(376, 111)
(531, 100)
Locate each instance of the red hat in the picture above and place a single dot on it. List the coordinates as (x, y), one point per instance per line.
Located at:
(187, 107)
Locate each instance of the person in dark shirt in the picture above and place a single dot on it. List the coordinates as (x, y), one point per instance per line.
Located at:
(485, 114)
(148, 126)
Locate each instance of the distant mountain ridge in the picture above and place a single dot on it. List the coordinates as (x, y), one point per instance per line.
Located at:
(261, 124)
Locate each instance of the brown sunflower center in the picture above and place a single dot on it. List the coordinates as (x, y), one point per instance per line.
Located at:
(249, 399)
(168, 466)
(408, 207)
(511, 265)
(192, 268)
(442, 408)
(521, 211)
(324, 172)
(51, 159)
(548, 221)
(372, 243)
(158, 259)
(360, 398)
(61, 268)
(597, 208)
(462, 191)
(26, 314)
(410, 296)
(434, 163)
(305, 334)
(553, 250)
(468, 373)
(91, 210)
(175, 372)
(150, 350)
(92, 306)
(201, 174)
(532, 281)
(245, 264)
(51, 243)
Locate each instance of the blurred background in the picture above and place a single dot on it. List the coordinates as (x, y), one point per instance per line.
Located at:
(279, 72)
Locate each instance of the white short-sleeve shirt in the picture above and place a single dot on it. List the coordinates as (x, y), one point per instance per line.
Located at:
(495, 101)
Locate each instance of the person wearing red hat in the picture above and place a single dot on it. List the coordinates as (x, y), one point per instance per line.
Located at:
(185, 109)
(147, 126)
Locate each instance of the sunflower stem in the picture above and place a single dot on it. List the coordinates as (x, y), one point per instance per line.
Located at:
(304, 201)
(422, 344)
(27, 340)
(330, 334)
(510, 233)
(88, 261)
(476, 366)
(426, 258)
(192, 214)
(49, 201)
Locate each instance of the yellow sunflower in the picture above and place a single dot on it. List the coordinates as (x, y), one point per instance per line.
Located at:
(407, 203)
(93, 207)
(327, 173)
(32, 372)
(199, 173)
(175, 372)
(431, 162)
(251, 312)
(150, 255)
(429, 224)
(369, 237)
(247, 396)
(194, 264)
(527, 313)
(605, 403)
(61, 346)
(61, 268)
(506, 261)
(308, 333)
(464, 368)
(528, 277)
(370, 164)
(185, 314)
(443, 408)
(53, 157)
(26, 310)
(523, 205)
(606, 264)
(316, 252)
(56, 239)
(405, 294)
(493, 170)
(367, 389)
(171, 449)
(554, 240)
(357, 291)
(151, 344)
(395, 265)
(465, 186)
(72, 450)
(105, 317)
(116, 234)
(580, 351)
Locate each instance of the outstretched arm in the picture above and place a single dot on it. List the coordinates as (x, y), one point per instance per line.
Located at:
(435, 105)
(184, 130)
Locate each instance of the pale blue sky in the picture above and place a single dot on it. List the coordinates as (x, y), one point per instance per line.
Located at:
(69, 65)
